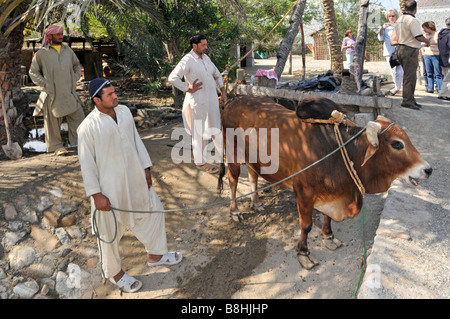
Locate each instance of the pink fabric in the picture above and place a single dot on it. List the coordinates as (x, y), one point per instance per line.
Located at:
(270, 74)
(53, 29)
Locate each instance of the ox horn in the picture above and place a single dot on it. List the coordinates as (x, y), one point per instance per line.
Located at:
(372, 129)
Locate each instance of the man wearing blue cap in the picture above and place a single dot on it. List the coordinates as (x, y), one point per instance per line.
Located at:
(116, 173)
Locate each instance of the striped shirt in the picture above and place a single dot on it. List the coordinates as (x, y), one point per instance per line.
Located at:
(433, 48)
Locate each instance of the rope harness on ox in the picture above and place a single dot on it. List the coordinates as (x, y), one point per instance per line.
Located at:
(336, 119)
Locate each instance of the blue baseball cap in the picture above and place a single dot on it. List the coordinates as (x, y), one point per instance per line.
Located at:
(96, 85)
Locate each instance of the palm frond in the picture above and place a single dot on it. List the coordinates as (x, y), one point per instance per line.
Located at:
(18, 11)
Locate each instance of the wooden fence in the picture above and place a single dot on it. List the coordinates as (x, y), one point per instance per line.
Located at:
(321, 50)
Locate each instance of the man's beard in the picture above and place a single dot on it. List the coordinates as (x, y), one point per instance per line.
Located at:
(56, 42)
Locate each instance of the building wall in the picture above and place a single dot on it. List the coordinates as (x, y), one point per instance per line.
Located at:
(437, 15)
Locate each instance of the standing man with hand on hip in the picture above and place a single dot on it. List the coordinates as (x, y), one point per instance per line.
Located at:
(408, 34)
(116, 173)
(56, 68)
(201, 112)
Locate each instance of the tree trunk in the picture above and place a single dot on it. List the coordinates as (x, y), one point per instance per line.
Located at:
(16, 101)
(286, 44)
(332, 35)
(357, 66)
(173, 56)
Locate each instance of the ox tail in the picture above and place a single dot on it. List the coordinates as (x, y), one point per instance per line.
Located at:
(220, 180)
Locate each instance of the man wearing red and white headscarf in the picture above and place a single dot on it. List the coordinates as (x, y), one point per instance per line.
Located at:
(56, 68)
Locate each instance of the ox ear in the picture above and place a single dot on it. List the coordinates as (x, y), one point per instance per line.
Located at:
(371, 150)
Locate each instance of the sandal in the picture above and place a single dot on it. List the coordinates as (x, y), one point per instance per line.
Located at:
(126, 282)
(168, 259)
(208, 168)
(61, 151)
(390, 93)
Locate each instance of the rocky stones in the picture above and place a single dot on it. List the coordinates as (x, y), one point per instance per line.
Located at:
(62, 235)
(71, 284)
(66, 208)
(26, 290)
(150, 117)
(68, 220)
(92, 262)
(75, 232)
(12, 238)
(9, 211)
(21, 256)
(43, 269)
(51, 218)
(42, 239)
(45, 203)
(2, 274)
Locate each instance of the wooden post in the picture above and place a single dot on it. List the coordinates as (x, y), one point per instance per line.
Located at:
(303, 50)
(240, 76)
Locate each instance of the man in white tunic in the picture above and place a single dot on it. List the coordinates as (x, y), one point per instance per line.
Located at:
(201, 112)
(116, 172)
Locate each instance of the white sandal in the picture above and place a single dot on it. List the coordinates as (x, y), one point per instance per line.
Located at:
(171, 258)
(126, 282)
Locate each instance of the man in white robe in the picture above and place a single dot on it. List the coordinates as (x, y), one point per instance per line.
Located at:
(201, 112)
(115, 166)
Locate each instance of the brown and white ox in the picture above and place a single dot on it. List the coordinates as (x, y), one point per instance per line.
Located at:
(327, 186)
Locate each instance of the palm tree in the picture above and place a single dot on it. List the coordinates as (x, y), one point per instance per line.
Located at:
(332, 35)
(10, 61)
(14, 14)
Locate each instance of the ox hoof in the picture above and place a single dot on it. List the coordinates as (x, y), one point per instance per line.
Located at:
(331, 243)
(237, 217)
(307, 261)
(258, 207)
